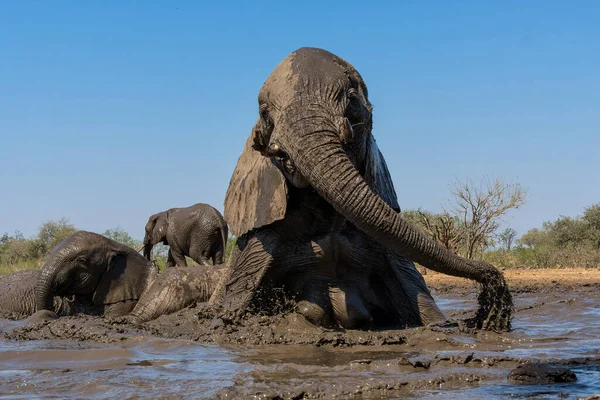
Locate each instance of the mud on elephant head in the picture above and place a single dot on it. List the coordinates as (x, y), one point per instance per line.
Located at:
(316, 212)
(109, 276)
(111, 279)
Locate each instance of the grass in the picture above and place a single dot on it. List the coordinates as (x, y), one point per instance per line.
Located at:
(38, 264)
(20, 266)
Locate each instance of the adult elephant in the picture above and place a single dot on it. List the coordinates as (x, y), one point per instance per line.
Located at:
(198, 232)
(316, 214)
(108, 278)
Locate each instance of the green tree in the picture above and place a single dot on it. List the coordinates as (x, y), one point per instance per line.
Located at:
(566, 242)
(567, 232)
(50, 234)
(591, 217)
(119, 235)
(507, 237)
(534, 237)
(14, 249)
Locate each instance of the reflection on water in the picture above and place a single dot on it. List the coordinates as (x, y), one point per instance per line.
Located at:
(588, 379)
(153, 368)
(150, 368)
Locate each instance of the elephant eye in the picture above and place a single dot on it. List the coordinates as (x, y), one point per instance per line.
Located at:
(355, 112)
(264, 111)
(81, 259)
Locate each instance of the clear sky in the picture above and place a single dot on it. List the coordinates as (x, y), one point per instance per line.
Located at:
(113, 110)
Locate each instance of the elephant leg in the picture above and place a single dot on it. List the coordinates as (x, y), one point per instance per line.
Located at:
(217, 257)
(264, 258)
(315, 302)
(199, 253)
(349, 307)
(176, 258)
(381, 283)
(415, 289)
(203, 261)
(170, 260)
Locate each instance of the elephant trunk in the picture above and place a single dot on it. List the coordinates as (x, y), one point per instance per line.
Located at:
(147, 247)
(46, 286)
(315, 147)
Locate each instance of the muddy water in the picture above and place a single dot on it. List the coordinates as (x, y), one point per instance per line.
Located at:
(563, 328)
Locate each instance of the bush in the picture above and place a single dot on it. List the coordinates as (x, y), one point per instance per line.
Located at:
(231, 241)
(119, 235)
(18, 253)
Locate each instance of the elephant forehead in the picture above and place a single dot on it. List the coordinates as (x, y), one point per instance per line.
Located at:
(304, 67)
(318, 63)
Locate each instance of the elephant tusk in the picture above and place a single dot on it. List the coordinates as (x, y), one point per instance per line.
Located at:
(141, 248)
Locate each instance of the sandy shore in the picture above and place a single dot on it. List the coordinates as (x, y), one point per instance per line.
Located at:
(524, 280)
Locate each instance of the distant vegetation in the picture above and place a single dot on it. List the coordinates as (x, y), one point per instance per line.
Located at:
(565, 242)
(469, 226)
(18, 252)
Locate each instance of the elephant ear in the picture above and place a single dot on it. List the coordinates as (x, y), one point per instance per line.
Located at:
(257, 193)
(378, 177)
(158, 227)
(123, 280)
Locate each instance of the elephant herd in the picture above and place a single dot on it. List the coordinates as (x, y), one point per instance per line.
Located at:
(317, 220)
(90, 273)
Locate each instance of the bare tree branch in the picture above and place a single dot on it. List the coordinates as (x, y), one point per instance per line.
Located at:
(481, 207)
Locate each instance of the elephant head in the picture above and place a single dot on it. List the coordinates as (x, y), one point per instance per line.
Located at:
(155, 232)
(93, 267)
(314, 130)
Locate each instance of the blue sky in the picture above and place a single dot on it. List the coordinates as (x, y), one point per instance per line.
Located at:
(111, 111)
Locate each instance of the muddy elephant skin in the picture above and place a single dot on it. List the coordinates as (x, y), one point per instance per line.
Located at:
(198, 232)
(317, 218)
(17, 295)
(108, 278)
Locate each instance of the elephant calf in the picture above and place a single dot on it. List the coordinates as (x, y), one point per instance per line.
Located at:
(111, 279)
(198, 232)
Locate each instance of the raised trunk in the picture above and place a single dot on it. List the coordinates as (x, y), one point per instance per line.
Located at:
(317, 152)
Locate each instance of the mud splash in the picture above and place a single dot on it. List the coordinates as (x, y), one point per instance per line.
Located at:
(190, 354)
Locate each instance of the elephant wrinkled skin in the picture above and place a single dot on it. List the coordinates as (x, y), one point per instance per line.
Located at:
(318, 221)
(17, 295)
(198, 232)
(111, 279)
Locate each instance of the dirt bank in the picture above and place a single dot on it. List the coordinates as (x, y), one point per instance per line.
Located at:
(524, 281)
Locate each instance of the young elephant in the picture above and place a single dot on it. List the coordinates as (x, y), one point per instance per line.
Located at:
(111, 279)
(17, 295)
(198, 232)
